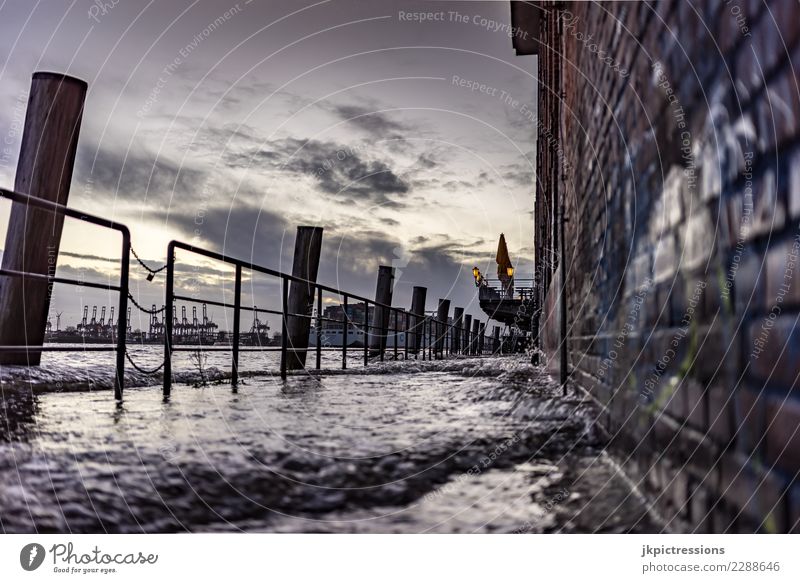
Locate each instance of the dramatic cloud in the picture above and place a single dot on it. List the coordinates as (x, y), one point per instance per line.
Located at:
(338, 169)
(397, 154)
(426, 161)
(376, 123)
(240, 231)
(137, 175)
(87, 257)
(517, 175)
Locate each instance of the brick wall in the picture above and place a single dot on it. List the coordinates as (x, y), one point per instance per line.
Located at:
(669, 131)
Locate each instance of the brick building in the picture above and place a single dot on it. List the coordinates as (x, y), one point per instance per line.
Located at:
(668, 137)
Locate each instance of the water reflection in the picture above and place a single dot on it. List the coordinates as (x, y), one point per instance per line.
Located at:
(294, 455)
(17, 415)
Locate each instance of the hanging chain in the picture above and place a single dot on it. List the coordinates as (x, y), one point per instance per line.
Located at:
(151, 273)
(145, 310)
(142, 370)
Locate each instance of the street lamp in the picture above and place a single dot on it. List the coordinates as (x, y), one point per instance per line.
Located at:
(510, 271)
(476, 273)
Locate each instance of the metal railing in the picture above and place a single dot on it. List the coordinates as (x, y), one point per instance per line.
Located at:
(517, 289)
(432, 338)
(122, 288)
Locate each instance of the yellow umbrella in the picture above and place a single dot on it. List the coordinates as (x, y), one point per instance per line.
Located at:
(504, 265)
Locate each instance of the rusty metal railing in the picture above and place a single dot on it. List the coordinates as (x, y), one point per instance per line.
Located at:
(432, 338)
(122, 288)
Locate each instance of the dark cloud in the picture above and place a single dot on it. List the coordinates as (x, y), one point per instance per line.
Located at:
(87, 274)
(459, 185)
(137, 175)
(338, 169)
(377, 124)
(518, 174)
(88, 257)
(426, 161)
(241, 231)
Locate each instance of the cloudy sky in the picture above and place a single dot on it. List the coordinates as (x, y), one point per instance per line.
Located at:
(228, 124)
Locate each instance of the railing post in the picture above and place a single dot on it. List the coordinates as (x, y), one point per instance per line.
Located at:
(237, 308)
(467, 328)
(406, 333)
(424, 343)
(122, 320)
(394, 334)
(307, 249)
(562, 301)
(169, 301)
(284, 326)
(44, 170)
(366, 333)
(344, 335)
(319, 328)
(383, 295)
(418, 297)
(458, 323)
(430, 338)
(442, 312)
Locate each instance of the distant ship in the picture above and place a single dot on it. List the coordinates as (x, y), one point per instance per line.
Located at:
(332, 334)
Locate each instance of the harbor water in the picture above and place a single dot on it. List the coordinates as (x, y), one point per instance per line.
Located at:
(460, 445)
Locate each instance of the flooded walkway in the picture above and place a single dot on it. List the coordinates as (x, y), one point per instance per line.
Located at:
(474, 445)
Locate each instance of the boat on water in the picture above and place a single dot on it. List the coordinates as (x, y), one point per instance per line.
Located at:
(332, 334)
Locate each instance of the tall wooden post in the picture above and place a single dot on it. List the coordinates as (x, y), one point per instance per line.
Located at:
(562, 303)
(442, 312)
(467, 333)
(418, 298)
(481, 338)
(458, 323)
(383, 295)
(475, 331)
(496, 340)
(44, 170)
(307, 249)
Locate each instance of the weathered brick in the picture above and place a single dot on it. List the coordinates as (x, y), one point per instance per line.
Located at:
(698, 239)
(782, 438)
(769, 212)
(690, 176)
(774, 350)
(794, 184)
(749, 284)
(721, 425)
(756, 495)
(782, 285)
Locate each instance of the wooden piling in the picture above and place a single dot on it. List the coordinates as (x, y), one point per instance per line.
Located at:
(476, 326)
(481, 338)
(496, 340)
(458, 324)
(442, 312)
(300, 305)
(418, 298)
(383, 295)
(44, 170)
(467, 334)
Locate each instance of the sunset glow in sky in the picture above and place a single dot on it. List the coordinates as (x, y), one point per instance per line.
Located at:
(228, 124)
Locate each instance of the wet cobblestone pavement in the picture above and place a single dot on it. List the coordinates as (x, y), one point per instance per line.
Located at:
(474, 445)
